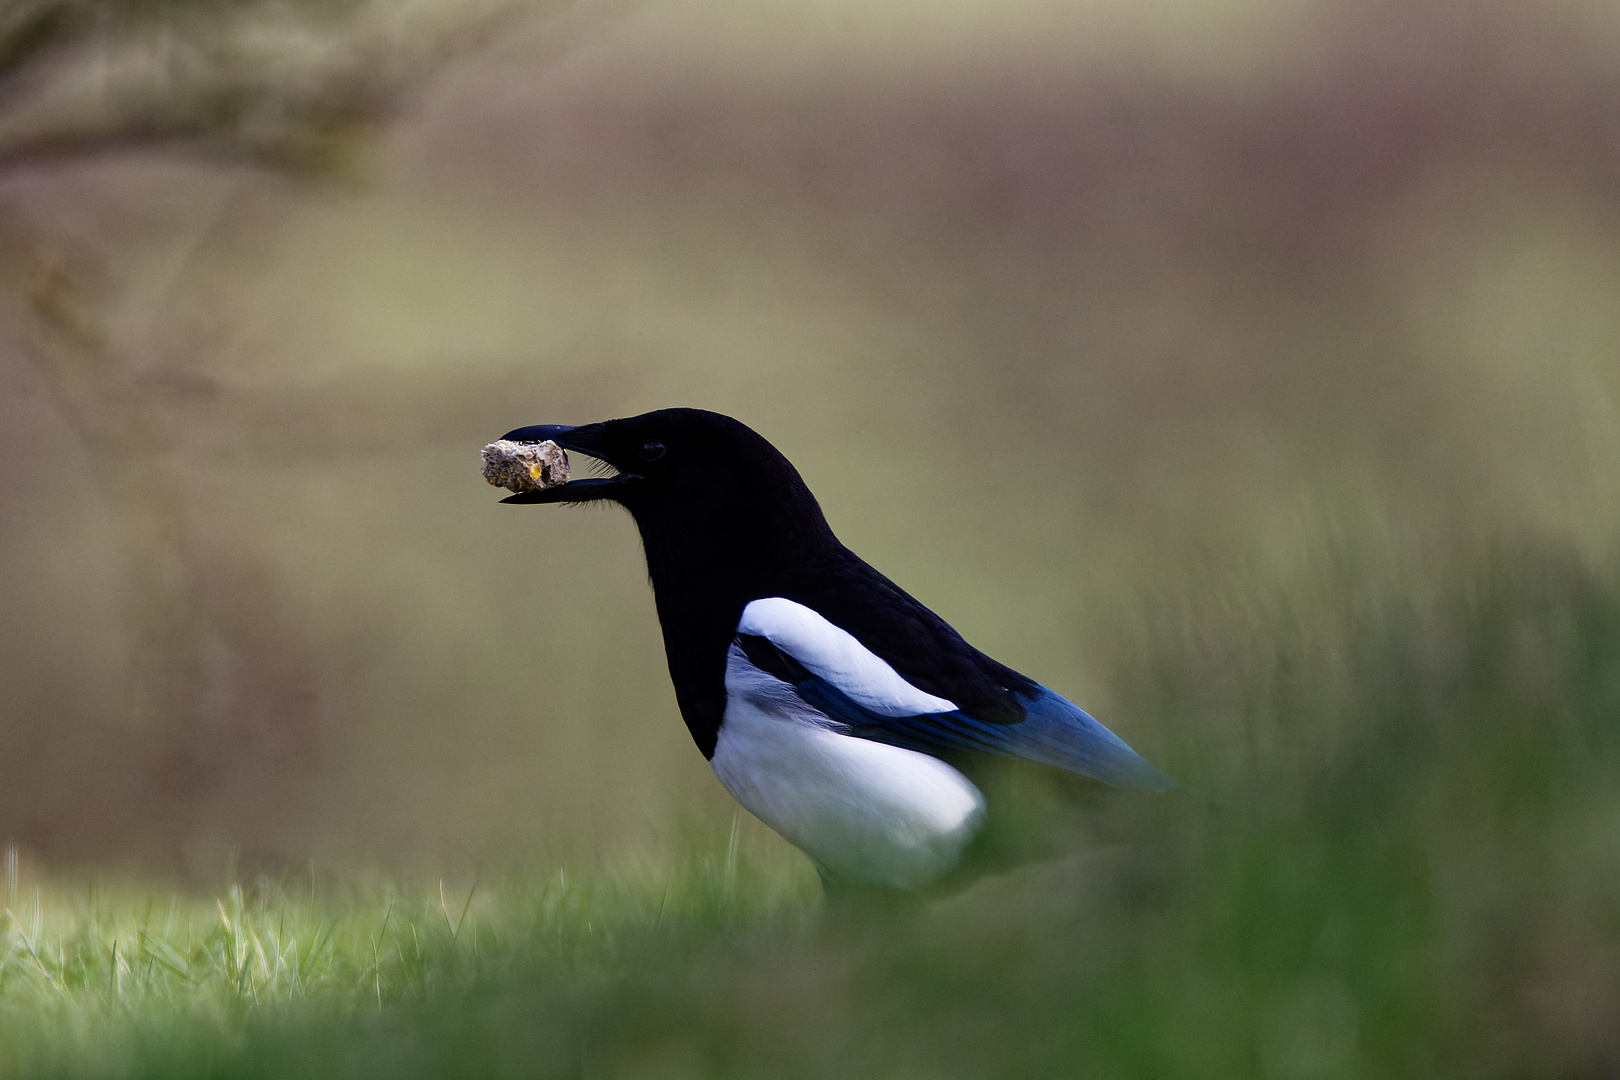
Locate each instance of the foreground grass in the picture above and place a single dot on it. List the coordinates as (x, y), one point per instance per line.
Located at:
(1396, 853)
(98, 979)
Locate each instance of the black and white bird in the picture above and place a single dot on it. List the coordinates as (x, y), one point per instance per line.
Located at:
(833, 706)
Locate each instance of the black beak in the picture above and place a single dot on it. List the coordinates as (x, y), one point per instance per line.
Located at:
(581, 439)
(557, 433)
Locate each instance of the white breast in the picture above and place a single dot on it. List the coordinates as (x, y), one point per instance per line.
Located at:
(865, 812)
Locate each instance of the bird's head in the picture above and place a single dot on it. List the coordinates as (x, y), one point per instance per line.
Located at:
(698, 471)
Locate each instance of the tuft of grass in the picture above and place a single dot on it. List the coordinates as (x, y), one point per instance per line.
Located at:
(103, 977)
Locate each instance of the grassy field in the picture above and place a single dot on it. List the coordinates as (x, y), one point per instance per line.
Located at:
(1396, 853)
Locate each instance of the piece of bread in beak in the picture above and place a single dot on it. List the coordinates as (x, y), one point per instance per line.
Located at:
(524, 467)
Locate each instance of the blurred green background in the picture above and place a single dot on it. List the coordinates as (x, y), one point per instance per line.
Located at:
(1248, 372)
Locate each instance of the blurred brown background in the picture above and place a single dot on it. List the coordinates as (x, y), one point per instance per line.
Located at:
(1072, 314)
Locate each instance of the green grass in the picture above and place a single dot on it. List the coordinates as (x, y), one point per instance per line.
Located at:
(1396, 853)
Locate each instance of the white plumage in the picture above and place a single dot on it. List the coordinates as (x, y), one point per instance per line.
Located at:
(863, 811)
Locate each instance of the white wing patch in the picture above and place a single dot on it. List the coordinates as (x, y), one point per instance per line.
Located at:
(834, 654)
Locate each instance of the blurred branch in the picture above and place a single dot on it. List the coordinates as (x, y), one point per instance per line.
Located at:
(291, 86)
(285, 84)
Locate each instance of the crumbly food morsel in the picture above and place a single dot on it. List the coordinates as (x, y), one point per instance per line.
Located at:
(524, 467)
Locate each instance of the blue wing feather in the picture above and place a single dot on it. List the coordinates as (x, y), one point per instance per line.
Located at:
(1054, 731)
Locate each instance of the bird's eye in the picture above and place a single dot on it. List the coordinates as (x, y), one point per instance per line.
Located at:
(652, 451)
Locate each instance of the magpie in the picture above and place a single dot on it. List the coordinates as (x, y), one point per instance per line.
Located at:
(832, 705)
